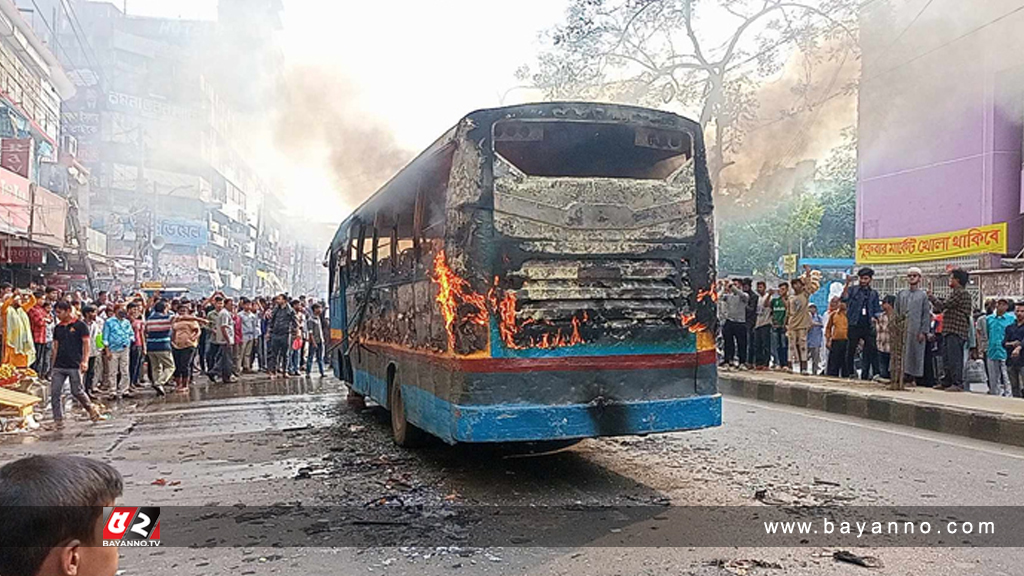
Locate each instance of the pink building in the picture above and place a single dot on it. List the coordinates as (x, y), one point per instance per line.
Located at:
(940, 118)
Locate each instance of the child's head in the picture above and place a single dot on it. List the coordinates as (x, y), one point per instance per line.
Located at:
(51, 508)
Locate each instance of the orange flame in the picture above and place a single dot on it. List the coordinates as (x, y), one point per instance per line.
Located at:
(689, 321)
(709, 293)
(454, 292)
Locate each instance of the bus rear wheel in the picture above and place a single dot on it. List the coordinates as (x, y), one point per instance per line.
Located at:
(404, 433)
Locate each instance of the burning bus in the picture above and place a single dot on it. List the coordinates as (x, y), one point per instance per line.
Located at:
(540, 272)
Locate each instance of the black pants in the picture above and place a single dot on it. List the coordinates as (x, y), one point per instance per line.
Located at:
(762, 345)
(751, 348)
(735, 334)
(204, 337)
(868, 362)
(135, 364)
(225, 361)
(90, 374)
(277, 353)
(212, 355)
(953, 356)
(838, 365)
(183, 362)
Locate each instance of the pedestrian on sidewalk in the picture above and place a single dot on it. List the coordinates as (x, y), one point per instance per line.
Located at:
(1014, 340)
(734, 307)
(780, 312)
(71, 344)
(158, 346)
(836, 334)
(981, 330)
(137, 352)
(250, 333)
(117, 342)
(883, 339)
(37, 318)
(236, 345)
(956, 325)
(223, 339)
(863, 306)
(185, 332)
(94, 376)
(815, 340)
(298, 339)
(281, 327)
(751, 320)
(997, 323)
(913, 321)
(315, 338)
(763, 327)
(798, 322)
(212, 360)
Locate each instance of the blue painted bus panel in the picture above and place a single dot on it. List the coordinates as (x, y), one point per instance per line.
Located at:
(454, 423)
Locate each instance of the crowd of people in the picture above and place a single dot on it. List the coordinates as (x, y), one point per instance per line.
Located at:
(114, 346)
(912, 338)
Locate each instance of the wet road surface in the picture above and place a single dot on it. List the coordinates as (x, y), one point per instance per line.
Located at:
(295, 441)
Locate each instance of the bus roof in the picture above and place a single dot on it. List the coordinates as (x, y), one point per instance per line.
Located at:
(483, 118)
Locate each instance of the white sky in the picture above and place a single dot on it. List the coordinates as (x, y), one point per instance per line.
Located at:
(419, 65)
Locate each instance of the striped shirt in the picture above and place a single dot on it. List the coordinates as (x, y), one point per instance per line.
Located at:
(158, 332)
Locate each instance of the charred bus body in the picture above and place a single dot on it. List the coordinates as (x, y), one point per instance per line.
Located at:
(541, 272)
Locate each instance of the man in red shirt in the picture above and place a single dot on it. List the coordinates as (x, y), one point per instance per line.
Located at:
(37, 317)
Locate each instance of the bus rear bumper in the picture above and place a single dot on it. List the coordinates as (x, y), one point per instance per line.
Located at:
(528, 423)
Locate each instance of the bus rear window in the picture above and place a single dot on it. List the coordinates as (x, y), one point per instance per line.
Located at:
(592, 150)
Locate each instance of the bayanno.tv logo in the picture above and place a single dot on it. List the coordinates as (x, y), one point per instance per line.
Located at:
(131, 526)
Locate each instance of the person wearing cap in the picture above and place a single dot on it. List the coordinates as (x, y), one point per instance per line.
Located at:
(913, 318)
(863, 307)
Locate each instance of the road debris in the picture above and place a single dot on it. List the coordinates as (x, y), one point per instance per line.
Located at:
(742, 567)
(851, 558)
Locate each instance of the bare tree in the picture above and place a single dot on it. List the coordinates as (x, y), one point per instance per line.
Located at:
(709, 56)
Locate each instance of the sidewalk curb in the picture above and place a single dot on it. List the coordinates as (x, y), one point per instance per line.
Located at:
(977, 424)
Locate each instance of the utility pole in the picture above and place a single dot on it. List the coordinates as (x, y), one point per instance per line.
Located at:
(83, 243)
(140, 189)
(31, 209)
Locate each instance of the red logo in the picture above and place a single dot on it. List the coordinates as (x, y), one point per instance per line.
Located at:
(131, 526)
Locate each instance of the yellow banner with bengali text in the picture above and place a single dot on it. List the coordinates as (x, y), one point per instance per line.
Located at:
(980, 240)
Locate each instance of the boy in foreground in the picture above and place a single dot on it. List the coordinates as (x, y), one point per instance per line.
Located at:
(51, 508)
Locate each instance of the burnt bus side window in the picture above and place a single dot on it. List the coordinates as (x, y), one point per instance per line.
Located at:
(408, 228)
(592, 149)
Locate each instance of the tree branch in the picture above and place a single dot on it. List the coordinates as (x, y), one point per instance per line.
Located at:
(688, 20)
(780, 6)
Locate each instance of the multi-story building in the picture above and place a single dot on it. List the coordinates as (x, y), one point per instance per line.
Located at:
(35, 181)
(161, 120)
(940, 130)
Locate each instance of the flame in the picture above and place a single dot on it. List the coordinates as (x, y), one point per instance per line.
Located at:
(454, 292)
(689, 321)
(696, 328)
(709, 293)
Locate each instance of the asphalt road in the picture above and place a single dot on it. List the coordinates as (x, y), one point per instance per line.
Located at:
(296, 442)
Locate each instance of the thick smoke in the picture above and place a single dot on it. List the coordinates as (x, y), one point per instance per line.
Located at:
(319, 109)
(801, 116)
